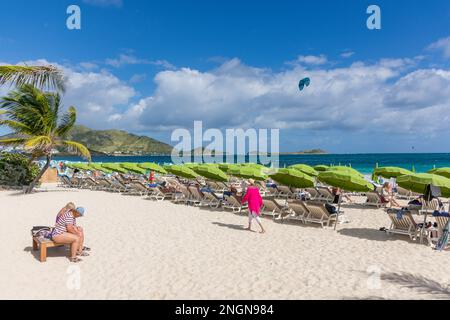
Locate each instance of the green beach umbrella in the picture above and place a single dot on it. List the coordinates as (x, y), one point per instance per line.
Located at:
(227, 166)
(99, 167)
(191, 165)
(114, 167)
(247, 172)
(391, 172)
(70, 165)
(81, 166)
(152, 167)
(253, 165)
(133, 167)
(417, 182)
(181, 171)
(345, 169)
(444, 172)
(345, 180)
(305, 169)
(293, 178)
(321, 167)
(211, 172)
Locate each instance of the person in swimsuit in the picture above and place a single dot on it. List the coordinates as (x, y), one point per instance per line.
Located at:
(66, 231)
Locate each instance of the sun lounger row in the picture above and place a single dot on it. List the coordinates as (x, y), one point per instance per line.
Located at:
(297, 210)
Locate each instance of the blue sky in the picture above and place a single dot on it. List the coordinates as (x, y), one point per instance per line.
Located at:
(153, 66)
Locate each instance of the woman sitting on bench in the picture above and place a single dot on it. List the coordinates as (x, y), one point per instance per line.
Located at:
(67, 232)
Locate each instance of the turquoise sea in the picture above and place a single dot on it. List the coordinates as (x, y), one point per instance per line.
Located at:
(365, 163)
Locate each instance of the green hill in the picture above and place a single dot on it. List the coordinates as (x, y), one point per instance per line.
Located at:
(118, 142)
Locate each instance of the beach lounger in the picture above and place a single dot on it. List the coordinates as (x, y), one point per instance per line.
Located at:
(441, 223)
(313, 193)
(184, 196)
(196, 199)
(404, 224)
(118, 185)
(138, 188)
(65, 182)
(213, 185)
(158, 194)
(325, 195)
(263, 190)
(222, 186)
(232, 203)
(272, 208)
(317, 213)
(374, 199)
(103, 184)
(297, 211)
(286, 192)
(212, 200)
(89, 183)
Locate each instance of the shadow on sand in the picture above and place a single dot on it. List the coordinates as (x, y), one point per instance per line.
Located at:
(230, 226)
(57, 252)
(372, 234)
(420, 284)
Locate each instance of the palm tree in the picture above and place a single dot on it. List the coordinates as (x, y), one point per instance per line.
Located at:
(44, 77)
(35, 119)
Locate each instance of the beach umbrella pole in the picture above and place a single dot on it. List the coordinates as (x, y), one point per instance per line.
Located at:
(338, 211)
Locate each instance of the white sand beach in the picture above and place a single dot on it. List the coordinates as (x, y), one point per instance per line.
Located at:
(159, 250)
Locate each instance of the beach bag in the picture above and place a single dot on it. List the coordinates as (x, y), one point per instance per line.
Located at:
(331, 209)
(41, 232)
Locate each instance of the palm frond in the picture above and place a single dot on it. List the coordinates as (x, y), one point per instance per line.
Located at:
(16, 126)
(67, 122)
(80, 148)
(12, 141)
(38, 142)
(44, 77)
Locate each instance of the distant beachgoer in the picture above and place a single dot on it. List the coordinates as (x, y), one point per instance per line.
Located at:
(253, 197)
(66, 231)
(337, 192)
(387, 195)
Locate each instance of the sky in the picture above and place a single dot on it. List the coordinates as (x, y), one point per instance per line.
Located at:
(150, 67)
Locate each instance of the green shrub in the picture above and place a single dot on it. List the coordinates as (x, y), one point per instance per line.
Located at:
(16, 169)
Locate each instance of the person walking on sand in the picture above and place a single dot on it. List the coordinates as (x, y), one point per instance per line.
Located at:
(253, 197)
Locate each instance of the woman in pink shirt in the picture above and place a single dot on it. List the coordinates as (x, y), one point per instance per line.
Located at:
(253, 197)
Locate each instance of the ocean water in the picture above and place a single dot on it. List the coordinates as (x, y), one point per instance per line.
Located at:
(364, 163)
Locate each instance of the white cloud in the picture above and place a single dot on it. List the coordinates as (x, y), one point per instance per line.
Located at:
(136, 78)
(389, 97)
(347, 54)
(313, 60)
(96, 95)
(130, 59)
(362, 97)
(442, 45)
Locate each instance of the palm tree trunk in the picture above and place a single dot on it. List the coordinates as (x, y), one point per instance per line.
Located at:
(39, 176)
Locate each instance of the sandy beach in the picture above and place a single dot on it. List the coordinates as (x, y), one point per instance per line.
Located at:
(159, 250)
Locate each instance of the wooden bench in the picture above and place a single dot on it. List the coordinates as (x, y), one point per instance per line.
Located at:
(43, 244)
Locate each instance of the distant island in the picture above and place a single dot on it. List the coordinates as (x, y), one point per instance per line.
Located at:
(118, 142)
(312, 151)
